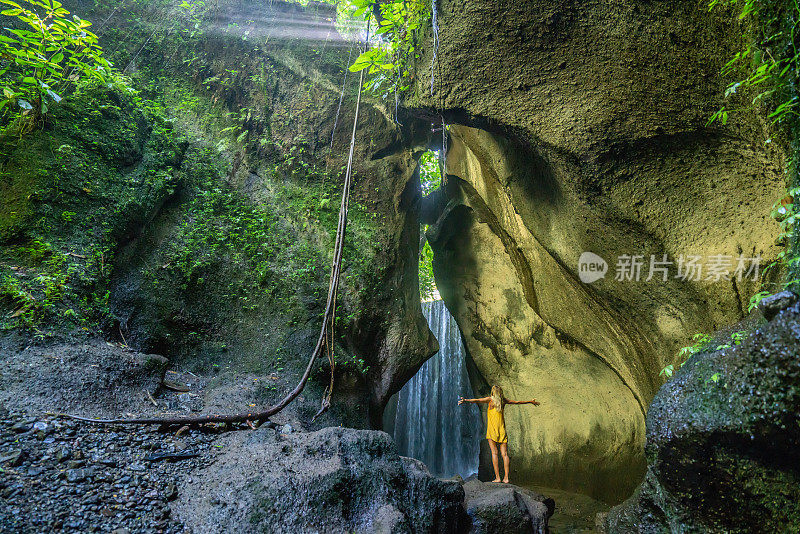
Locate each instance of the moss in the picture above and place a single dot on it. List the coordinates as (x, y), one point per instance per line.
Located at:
(73, 190)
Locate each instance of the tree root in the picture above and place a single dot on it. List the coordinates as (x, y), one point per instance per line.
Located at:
(326, 330)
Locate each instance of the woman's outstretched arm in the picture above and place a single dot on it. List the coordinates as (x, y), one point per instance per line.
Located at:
(482, 400)
(532, 401)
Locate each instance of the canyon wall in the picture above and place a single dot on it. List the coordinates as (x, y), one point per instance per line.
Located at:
(582, 127)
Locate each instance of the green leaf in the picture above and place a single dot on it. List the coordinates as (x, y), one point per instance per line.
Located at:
(24, 104)
(667, 371)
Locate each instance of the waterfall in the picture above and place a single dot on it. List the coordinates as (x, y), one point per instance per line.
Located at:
(429, 425)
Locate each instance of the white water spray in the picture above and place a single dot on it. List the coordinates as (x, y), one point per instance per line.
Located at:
(429, 424)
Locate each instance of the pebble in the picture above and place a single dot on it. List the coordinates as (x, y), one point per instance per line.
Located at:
(21, 427)
(76, 475)
(13, 459)
(63, 454)
(88, 478)
(40, 425)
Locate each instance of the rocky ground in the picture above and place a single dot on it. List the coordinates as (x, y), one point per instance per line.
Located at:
(61, 475)
(65, 476)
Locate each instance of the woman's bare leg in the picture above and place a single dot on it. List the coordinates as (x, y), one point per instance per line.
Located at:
(493, 446)
(506, 461)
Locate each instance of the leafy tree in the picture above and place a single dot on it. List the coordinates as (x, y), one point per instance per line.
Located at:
(397, 23)
(430, 175)
(44, 55)
(427, 284)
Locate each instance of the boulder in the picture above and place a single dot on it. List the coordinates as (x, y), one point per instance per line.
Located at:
(505, 508)
(723, 441)
(772, 305)
(332, 480)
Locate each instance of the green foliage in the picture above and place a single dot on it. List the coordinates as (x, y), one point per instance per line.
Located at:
(702, 342)
(44, 58)
(769, 73)
(756, 299)
(771, 63)
(430, 174)
(427, 284)
(71, 192)
(390, 65)
(785, 213)
(349, 363)
(667, 371)
(46, 286)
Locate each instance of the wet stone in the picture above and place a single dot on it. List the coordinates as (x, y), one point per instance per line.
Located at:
(14, 458)
(774, 304)
(76, 475)
(63, 454)
(21, 427)
(41, 426)
(171, 493)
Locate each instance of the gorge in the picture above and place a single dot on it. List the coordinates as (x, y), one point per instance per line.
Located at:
(166, 236)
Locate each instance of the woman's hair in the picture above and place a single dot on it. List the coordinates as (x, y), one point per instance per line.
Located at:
(497, 398)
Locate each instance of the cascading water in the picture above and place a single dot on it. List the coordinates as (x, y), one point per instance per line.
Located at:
(429, 425)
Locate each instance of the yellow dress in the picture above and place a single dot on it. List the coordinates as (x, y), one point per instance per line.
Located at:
(496, 426)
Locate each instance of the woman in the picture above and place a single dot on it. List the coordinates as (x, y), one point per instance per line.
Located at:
(496, 426)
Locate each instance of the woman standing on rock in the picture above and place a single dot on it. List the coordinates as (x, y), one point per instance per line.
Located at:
(496, 426)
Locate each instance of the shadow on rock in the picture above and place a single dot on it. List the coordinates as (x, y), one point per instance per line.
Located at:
(723, 440)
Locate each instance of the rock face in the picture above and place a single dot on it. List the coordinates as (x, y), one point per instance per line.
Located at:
(332, 480)
(197, 219)
(582, 128)
(502, 508)
(723, 441)
(291, 88)
(93, 378)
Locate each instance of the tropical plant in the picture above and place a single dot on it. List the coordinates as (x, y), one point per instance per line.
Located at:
(771, 61)
(430, 175)
(390, 64)
(769, 70)
(702, 342)
(43, 56)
